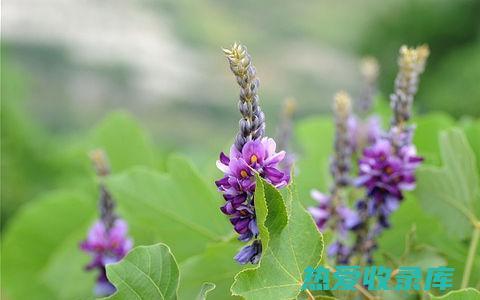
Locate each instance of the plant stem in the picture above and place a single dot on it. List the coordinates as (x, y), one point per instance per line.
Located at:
(310, 295)
(471, 255)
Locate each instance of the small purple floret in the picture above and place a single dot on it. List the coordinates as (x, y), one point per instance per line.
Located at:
(250, 253)
(106, 247)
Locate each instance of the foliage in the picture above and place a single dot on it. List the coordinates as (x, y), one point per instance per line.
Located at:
(166, 199)
(147, 272)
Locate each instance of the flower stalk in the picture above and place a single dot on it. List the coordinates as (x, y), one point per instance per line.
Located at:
(471, 255)
(252, 123)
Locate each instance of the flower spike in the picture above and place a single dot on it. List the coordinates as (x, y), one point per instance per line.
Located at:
(251, 154)
(252, 124)
(107, 240)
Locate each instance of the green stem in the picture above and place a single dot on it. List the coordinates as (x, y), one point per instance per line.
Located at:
(471, 255)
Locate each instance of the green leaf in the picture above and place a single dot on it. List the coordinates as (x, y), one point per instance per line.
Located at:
(472, 130)
(176, 208)
(316, 140)
(464, 294)
(290, 247)
(207, 287)
(450, 192)
(147, 272)
(426, 137)
(41, 230)
(215, 265)
(125, 142)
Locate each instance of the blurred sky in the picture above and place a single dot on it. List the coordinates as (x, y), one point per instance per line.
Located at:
(162, 60)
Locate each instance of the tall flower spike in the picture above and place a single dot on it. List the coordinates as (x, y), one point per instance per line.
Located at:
(250, 154)
(369, 69)
(331, 211)
(107, 240)
(411, 64)
(252, 124)
(387, 168)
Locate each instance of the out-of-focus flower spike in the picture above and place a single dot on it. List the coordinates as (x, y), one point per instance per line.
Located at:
(341, 160)
(369, 68)
(106, 205)
(107, 240)
(387, 168)
(331, 210)
(411, 63)
(100, 162)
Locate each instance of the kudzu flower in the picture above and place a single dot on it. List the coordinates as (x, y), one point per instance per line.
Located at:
(385, 175)
(251, 154)
(107, 240)
(387, 168)
(106, 246)
(323, 212)
(250, 253)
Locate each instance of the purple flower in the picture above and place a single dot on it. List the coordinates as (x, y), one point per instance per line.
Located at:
(340, 251)
(323, 211)
(386, 174)
(106, 246)
(238, 186)
(250, 253)
(346, 218)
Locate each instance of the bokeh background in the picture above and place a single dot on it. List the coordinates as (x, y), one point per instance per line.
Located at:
(66, 64)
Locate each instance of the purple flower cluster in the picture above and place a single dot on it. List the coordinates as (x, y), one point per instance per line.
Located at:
(238, 188)
(341, 218)
(106, 246)
(386, 174)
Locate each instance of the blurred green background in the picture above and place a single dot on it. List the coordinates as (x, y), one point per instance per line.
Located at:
(66, 64)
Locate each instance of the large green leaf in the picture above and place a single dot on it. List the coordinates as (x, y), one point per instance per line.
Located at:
(465, 294)
(147, 272)
(33, 242)
(288, 248)
(429, 231)
(176, 208)
(215, 265)
(125, 142)
(451, 192)
(316, 140)
(472, 130)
